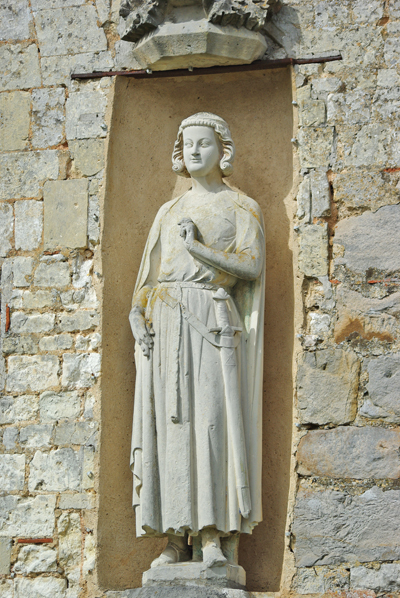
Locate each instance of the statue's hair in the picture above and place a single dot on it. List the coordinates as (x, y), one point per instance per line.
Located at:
(205, 119)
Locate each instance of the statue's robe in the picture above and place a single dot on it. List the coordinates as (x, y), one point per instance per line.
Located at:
(182, 453)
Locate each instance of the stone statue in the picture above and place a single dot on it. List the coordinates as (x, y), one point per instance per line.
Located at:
(197, 317)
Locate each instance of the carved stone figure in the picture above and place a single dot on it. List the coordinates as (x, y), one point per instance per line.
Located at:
(197, 317)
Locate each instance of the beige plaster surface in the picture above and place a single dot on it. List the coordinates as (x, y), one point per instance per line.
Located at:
(145, 119)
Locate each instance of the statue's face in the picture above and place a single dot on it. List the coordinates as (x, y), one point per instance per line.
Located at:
(201, 151)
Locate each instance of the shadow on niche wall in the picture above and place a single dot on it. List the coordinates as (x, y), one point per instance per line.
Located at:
(146, 116)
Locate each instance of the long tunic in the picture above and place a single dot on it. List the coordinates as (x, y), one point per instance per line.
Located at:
(185, 480)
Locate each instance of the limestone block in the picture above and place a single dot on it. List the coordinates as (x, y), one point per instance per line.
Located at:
(10, 437)
(384, 579)
(23, 345)
(322, 86)
(59, 342)
(88, 155)
(88, 412)
(367, 12)
(80, 371)
(62, 405)
(28, 224)
(192, 572)
(349, 108)
(21, 408)
(383, 399)
(23, 173)
(5, 557)
(392, 52)
(184, 591)
(360, 187)
(7, 588)
(386, 103)
(38, 372)
(319, 323)
(88, 467)
(76, 501)
(321, 200)
(38, 299)
(75, 433)
(89, 555)
(88, 343)
(57, 70)
(327, 527)
(52, 275)
(79, 320)
(82, 299)
(69, 552)
(315, 146)
(36, 559)
(19, 67)
(94, 219)
(388, 78)
(14, 119)
(319, 580)
(367, 146)
(15, 20)
(22, 270)
(6, 228)
(22, 323)
(312, 113)
(27, 517)
(36, 435)
(81, 273)
(40, 587)
(47, 116)
(327, 384)
(85, 115)
(65, 213)
(56, 471)
(313, 258)
(69, 30)
(12, 472)
(349, 452)
(370, 240)
(304, 200)
(43, 4)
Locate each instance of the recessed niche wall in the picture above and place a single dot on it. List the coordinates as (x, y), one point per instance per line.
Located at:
(146, 116)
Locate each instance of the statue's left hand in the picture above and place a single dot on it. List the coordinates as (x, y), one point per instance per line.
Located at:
(188, 231)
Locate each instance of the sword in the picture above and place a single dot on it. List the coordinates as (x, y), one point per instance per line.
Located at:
(233, 403)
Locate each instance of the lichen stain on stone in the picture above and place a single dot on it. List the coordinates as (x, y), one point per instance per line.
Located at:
(351, 328)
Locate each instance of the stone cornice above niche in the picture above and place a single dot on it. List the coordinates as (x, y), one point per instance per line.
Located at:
(173, 34)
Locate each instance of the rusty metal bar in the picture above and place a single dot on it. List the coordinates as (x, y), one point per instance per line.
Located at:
(258, 65)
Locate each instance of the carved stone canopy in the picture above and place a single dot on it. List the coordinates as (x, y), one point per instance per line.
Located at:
(170, 34)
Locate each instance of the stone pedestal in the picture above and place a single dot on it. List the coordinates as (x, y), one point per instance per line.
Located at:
(192, 573)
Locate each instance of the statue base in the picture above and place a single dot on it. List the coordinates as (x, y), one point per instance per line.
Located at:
(195, 573)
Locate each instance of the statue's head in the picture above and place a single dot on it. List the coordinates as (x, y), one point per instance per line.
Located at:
(222, 135)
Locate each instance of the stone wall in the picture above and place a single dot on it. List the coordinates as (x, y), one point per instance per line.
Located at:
(343, 520)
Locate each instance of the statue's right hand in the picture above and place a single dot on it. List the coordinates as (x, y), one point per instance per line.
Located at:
(143, 335)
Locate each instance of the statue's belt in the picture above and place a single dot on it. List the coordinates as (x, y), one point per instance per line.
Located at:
(212, 335)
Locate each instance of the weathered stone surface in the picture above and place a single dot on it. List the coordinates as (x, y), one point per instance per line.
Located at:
(23, 323)
(327, 527)
(60, 342)
(89, 554)
(69, 30)
(85, 115)
(56, 471)
(386, 104)
(5, 557)
(10, 437)
(350, 452)
(383, 399)
(7, 588)
(349, 108)
(36, 559)
(22, 408)
(27, 517)
(80, 371)
(12, 472)
(15, 20)
(23, 173)
(81, 273)
(359, 188)
(321, 200)
(388, 78)
(304, 200)
(47, 4)
(14, 119)
(28, 224)
(311, 113)
(74, 433)
(366, 145)
(88, 467)
(327, 384)
(88, 343)
(94, 219)
(36, 436)
(63, 405)
(384, 579)
(319, 580)
(313, 257)
(322, 86)
(69, 533)
(80, 320)
(6, 228)
(315, 146)
(57, 70)
(47, 117)
(22, 270)
(37, 372)
(370, 240)
(19, 67)
(37, 299)
(88, 155)
(319, 323)
(22, 345)
(40, 587)
(76, 501)
(65, 213)
(52, 275)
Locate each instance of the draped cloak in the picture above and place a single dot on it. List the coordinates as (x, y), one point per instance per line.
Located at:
(181, 453)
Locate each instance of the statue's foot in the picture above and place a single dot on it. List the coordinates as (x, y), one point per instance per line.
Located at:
(213, 555)
(172, 554)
